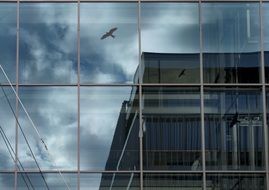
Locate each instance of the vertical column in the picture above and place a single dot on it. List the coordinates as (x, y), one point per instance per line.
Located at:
(17, 90)
(78, 93)
(202, 96)
(140, 96)
(264, 95)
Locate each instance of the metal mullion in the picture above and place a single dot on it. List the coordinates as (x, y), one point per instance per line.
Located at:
(17, 90)
(78, 94)
(202, 96)
(74, 171)
(140, 95)
(264, 94)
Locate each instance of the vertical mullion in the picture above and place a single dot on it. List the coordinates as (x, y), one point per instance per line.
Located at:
(17, 89)
(140, 96)
(264, 94)
(202, 96)
(78, 94)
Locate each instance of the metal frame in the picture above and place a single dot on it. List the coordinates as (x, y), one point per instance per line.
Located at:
(140, 85)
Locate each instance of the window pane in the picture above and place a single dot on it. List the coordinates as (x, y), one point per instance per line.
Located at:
(172, 181)
(231, 42)
(234, 129)
(7, 181)
(266, 39)
(172, 133)
(109, 128)
(109, 44)
(8, 40)
(54, 112)
(235, 181)
(43, 180)
(7, 128)
(48, 43)
(92, 181)
(170, 42)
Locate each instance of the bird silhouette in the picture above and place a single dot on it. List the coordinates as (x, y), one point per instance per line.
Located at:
(109, 33)
(235, 120)
(182, 73)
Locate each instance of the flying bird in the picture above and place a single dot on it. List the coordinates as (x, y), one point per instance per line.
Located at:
(110, 33)
(182, 73)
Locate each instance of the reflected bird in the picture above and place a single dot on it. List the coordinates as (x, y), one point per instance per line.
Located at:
(182, 73)
(110, 33)
(234, 120)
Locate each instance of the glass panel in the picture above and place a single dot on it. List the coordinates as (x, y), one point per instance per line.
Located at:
(172, 133)
(109, 44)
(41, 181)
(170, 42)
(54, 112)
(234, 129)
(48, 43)
(231, 42)
(172, 181)
(7, 128)
(105, 181)
(7, 181)
(266, 39)
(235, 181)
(109, 128)
(8, 40)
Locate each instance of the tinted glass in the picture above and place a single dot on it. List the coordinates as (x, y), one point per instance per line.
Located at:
(40, 181)
(172, 132)
(109, 44)
(233, 129)
(8, 40)
(170, 42)
(48, 43)
(7, 181)
(235, 181)
(231, 42)
(114, 181)
(172, 181)
(54, 113)
(266, 39)
(7, 128)
(109, 128)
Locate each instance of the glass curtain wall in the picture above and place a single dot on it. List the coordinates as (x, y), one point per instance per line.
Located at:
(134, 95)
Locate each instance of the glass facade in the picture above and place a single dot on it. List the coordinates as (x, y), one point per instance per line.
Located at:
(134, 95)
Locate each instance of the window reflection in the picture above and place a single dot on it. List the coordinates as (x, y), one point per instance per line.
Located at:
(172, 181)
(170, 42)
(235, 181)
(233, 129)
(172, 133)
(7, 128)
(8, 40)
(46, 181)
(113, 59)
(266, 39)
(231, 42)
(109, 128)
(7, 181)
(54, 112)
(48, 44)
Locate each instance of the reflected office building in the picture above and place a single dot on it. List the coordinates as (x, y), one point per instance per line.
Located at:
(171, 128)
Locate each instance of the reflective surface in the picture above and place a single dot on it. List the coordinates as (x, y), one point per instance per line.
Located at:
(231, 42)
(266, 39)
(109, 181)
(109, 128)
(236, 181)
(172, 128)
(54, 112)
(170, 42)
(48, 43)
(113, 58)
(172, 181)
(44, 180)
(234, 129)
(7, 181)
(8, 40)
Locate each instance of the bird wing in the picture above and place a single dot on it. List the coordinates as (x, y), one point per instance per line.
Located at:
(104, 36)
(112, 30)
